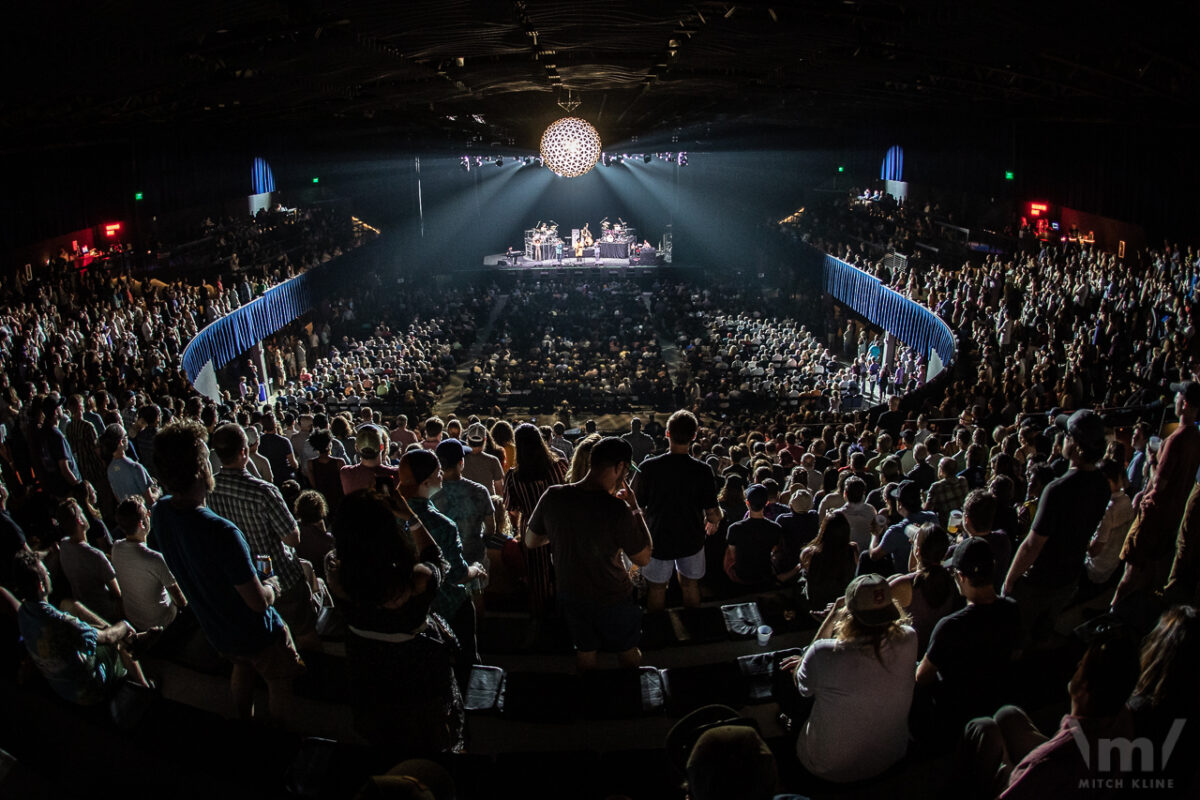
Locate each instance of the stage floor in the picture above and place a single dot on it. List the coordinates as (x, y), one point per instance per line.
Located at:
(499, 261)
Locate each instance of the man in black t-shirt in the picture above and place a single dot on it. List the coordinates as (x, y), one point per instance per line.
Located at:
(680, 499)
(970, 650)
(748, 555)
(1046, 567)
(587, 525)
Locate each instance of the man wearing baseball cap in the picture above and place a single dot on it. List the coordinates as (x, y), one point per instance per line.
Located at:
(467, 504)
(970, 650)
(479, 465)
(1150, 543)
(889, 550)
(1046, 567)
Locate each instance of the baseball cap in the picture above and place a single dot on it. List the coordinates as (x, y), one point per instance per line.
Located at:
(416, 779)
(869, 600)
(51, 402)
(1087, 429)
(907, 493)
(1190, 391)
(368, 440)
(415, 467)
(476, 435)
(756, 497)
(721, 754)
(451, 451)
(972, 558)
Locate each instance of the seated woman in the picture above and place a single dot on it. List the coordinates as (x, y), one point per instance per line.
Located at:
(828, 564)
(926, 594)
(399, 654)
(1166, 695)
(859, 673)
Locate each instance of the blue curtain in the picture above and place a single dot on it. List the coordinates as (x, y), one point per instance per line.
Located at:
(892, 168)
(227, 338)
(910, 322)
(261, 178)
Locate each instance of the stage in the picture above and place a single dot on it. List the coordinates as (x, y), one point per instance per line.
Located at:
(519, 263)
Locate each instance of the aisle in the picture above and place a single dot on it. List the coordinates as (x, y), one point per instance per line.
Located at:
(452, 394)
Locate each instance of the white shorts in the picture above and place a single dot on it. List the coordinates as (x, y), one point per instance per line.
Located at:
(659, 571)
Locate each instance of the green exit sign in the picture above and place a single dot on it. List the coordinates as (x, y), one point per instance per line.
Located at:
(137, 196)
(1008, 174)
(841, 169)
(316, 180)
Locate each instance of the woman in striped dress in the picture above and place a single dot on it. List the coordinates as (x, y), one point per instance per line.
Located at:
(536, 469)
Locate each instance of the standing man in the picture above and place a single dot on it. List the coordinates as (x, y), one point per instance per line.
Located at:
(1046, 567)
(1137, 463)
(480, 466)
(1150, 543)
(588, 525)
(211, 560)
(54, 463)
(641, 444)
(260, 513)
(680, 500)
(278, 451)
(468, 505)
(126, 477)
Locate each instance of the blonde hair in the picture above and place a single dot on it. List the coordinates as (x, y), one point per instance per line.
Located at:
(849, 629)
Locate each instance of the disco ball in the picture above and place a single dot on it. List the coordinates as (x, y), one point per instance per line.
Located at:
(570, 147)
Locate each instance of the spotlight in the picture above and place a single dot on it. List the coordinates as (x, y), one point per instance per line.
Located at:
(499, 161)
(465, 162)
(606, 159)
(479, 161)
(646, 158)
(682, 160)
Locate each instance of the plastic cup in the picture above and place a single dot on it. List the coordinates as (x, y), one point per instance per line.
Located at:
(764, 634)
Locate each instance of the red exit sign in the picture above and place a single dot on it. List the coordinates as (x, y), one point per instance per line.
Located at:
(111, 229)
(1037, 209)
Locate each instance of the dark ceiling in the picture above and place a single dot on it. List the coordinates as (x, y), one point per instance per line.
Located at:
(441, 74)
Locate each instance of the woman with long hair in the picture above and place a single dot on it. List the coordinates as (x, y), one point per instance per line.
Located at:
(928, 593)
(1166, 696)
(731, 499)
(859, 673)
(503, 437)
(385, 572)
(536, 469)
(828, 563)
(581, 459)
(325, 471)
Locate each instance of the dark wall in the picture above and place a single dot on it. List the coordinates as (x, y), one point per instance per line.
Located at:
(715, 204)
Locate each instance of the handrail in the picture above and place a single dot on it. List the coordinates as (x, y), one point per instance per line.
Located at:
(910, 322)
(224, 339)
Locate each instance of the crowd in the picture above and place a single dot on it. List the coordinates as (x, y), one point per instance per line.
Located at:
(939, 547)
(586, 344)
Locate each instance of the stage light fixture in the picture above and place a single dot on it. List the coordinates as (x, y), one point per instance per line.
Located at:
(646, 158)
(681, 160)
(570, 147)
(499, 162)
(465, 163)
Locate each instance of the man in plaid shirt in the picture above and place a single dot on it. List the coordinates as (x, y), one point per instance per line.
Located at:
(948, 493)
(259, 510)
